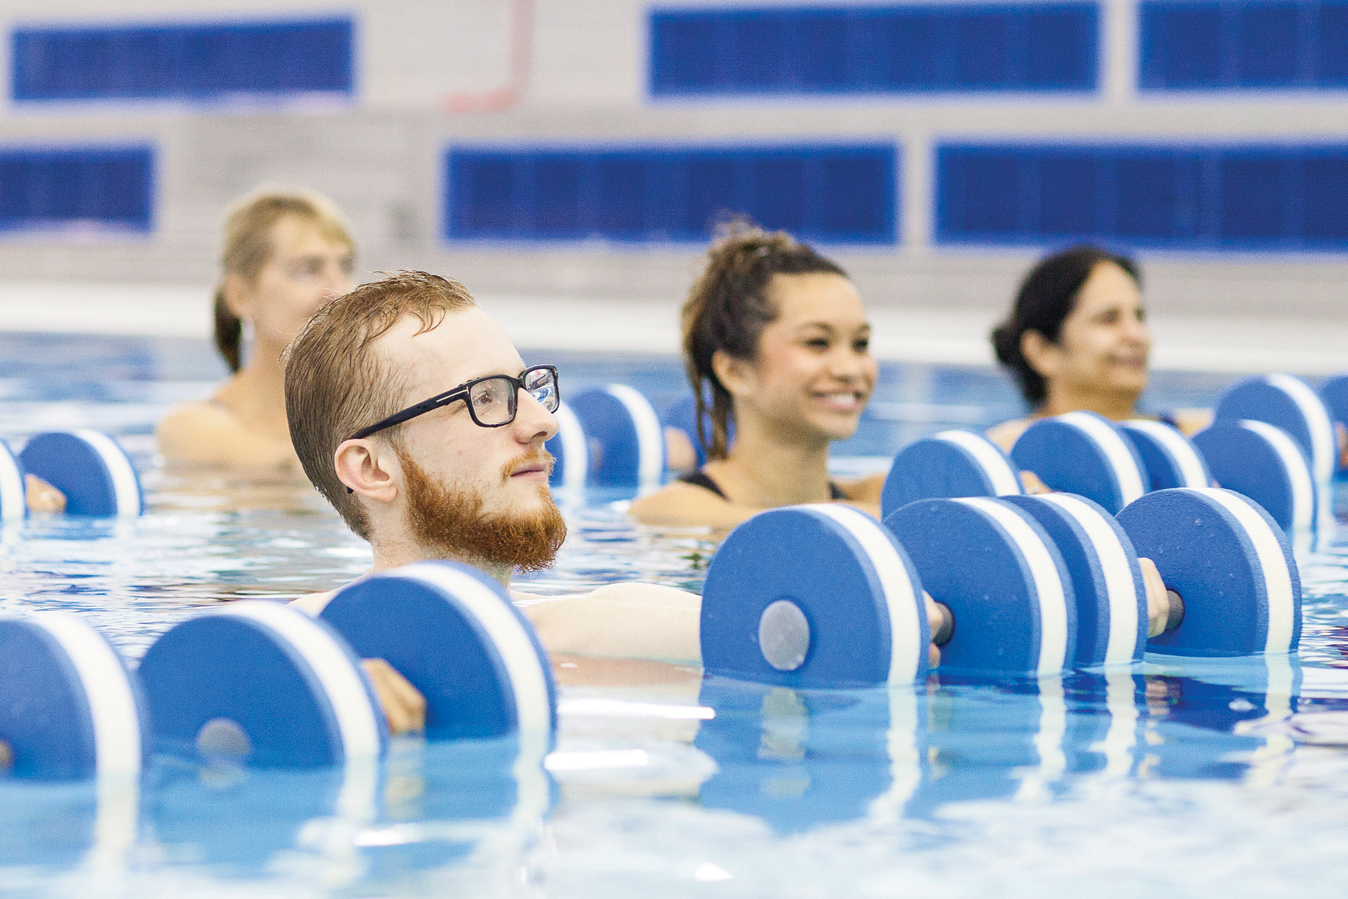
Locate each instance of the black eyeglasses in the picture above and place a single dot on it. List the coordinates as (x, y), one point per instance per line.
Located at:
(492, 401)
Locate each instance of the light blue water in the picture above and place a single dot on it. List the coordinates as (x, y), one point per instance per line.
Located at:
(1180, 778)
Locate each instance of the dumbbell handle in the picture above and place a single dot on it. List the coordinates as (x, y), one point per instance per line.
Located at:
(1175, 616)
(942, 633)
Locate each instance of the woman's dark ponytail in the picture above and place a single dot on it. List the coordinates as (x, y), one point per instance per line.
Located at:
(228, 331)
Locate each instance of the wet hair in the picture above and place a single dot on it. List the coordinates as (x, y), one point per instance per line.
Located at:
(728, 309)
(337, 382)
(1045, 299)
(247, 247)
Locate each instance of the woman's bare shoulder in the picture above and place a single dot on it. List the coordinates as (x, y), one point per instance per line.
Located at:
(680, 503)
(207, 431)
(1007, 433)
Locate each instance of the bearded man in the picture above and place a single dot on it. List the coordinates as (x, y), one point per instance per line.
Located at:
(414, 415)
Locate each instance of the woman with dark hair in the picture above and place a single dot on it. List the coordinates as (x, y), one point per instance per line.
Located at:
(777, 344)
(285, 254)
(1076, 338)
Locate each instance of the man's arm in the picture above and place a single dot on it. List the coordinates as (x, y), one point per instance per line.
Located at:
(628, 620)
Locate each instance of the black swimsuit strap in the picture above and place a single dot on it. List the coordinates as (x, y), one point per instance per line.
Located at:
(699, 478)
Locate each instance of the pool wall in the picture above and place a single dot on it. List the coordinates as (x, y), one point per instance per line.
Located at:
(607, 133)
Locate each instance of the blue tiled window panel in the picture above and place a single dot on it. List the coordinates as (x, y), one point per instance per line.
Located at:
(799, 50)
(98, 188)
(192, 62)
(1251, 197)
(1243, 44)
(831, 193)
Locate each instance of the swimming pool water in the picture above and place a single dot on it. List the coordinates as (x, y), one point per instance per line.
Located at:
(1182, 778)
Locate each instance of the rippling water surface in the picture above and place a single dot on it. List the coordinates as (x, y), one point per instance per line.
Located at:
(1180, 778)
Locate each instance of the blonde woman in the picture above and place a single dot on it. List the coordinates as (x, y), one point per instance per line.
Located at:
(285, 254)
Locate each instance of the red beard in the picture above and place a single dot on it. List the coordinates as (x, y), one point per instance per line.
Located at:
(449, 519)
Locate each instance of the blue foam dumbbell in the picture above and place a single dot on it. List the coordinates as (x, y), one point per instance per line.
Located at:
(1334, 394)
(569, 449)
(1228, 564)
(1169, 458)
(1003, 580)
(947, 465)
(813, 596)
(69, 709)
(1264, 463)
(821, 595)
(91, 469)
(1107, 586)
(1083, 453)
(13, 490)
(1222, 545)
(1291, 405)
(625, 439)
(264, 682)
(453, 632)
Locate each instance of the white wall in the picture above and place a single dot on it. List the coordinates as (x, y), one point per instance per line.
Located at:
(379, 156)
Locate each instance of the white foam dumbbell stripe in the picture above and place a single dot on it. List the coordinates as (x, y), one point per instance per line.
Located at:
(1119, 583)
(650, 434)
(902, 600)
(13, 495)
(575, 452)
(1277, 577)
(990, 458)
(528, 682)
(125, 485)
(1192, 470)
(1120, 454)
(112, 704)
(1294, 462)
(1323, 456)
(357, 718)
(1048, 586)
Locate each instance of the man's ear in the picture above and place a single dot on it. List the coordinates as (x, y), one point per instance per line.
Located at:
(734, 374)
(369, 468)
(1040, 353)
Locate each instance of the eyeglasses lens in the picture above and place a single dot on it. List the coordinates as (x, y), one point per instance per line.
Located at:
(542, 386)
(493, 401)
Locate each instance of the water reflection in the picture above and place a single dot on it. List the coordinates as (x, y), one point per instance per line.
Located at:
(799, 759)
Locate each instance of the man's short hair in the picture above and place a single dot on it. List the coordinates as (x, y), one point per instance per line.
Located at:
(336, 382)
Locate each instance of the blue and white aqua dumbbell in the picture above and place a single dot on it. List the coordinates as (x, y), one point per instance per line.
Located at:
(268, 684)
(264, 682)
(285, 690)
(570, 450)
(613, 435)
(1169, 458)
(947, 465)
(69, 709)
(453, 632)
(813, 596)
(1333, 393)
(91, 470)
(1263, 462)
(963, 463)
(1290, 405)
(1083, 453)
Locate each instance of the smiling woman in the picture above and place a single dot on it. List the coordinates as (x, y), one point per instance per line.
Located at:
(285, 254)
(778, 337)
(1077, 338)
